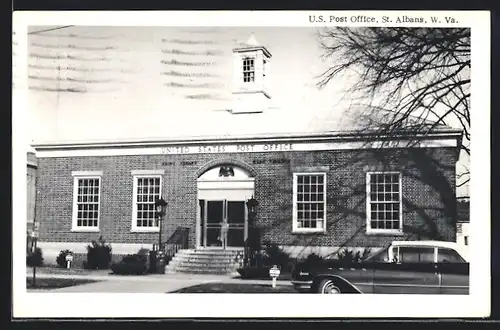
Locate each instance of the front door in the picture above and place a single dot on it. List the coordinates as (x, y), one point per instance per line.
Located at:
(236, 221)
(214, 213)
(214, 218)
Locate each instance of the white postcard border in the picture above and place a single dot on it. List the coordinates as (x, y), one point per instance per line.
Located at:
(53, 305)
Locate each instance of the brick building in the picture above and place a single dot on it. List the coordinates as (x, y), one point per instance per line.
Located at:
(30, 195)
(321, 184)
(463, 220)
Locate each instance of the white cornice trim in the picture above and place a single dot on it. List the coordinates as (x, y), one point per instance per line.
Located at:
(229, 148)
(282, 137)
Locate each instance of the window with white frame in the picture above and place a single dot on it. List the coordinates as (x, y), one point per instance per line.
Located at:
(384, 202)
(86, 205)
(309, 202)
(147, 189)
(248, 69)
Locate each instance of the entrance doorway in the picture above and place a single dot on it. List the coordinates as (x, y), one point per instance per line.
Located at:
(214, 213)
(222, 199)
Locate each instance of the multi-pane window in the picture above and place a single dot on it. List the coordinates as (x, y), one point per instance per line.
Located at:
(87, 192)
(146, 191)
(309, 202)
(248, 69)
(384, 201)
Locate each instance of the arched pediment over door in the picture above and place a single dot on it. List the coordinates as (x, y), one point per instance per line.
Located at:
(226, 181)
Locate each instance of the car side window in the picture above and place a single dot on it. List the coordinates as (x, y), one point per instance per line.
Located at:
(411, 254)
(449, 256)
(380, 256)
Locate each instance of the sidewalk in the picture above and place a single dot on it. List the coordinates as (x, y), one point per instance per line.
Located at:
(153, 283)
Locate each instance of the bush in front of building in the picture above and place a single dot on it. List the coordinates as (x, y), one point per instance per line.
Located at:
(349, 256)
(35, 258)
(61, 258)
(98, 255)
(274, 255)
(132, 264)
(313, 259)
(254, 272)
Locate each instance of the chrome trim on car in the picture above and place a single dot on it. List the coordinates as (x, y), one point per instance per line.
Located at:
(302, 284)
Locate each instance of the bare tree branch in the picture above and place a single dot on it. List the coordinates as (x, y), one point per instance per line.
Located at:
(420, 75)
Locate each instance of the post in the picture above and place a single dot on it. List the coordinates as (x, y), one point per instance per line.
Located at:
(274, 272)
(159, 232)
(34, 250)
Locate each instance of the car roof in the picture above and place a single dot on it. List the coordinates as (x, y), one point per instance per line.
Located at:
(427, 243)
(444, 244)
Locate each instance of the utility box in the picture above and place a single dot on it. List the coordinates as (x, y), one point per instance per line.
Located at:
(156, 262)
(160, 262)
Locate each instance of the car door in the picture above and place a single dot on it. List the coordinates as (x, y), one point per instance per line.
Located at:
(413, 271)
(454, 272)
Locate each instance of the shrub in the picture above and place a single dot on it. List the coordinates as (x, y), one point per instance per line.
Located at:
(35, 258)
(313, 259)
(98, 255)
(347, 255)
(61, 258)
(274, 255)
(132, 264)
(254, 272)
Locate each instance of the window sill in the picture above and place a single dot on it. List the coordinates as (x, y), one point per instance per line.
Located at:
(145, 230)
(85, 230)
(308, 232)
(385, 233)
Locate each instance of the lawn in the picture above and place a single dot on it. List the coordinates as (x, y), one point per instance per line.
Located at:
(236, 288)
(49, 269)
(55, 283)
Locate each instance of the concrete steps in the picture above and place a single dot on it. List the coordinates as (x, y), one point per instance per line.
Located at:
(205, 261)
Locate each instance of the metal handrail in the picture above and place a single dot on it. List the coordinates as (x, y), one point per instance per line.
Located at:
(177, 241)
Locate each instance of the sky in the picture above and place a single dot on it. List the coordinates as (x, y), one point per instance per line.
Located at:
(101, 83)
(98, 82)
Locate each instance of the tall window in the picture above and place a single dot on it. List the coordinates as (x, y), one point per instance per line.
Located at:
(147, 189)
(86, 205)
(248, 69)
(309, 202)
(384, 202)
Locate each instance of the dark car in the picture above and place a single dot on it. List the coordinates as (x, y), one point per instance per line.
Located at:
(420, 267)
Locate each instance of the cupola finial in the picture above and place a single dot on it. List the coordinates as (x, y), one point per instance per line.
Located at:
(252, 41)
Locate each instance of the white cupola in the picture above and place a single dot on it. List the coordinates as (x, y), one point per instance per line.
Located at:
(251, 77)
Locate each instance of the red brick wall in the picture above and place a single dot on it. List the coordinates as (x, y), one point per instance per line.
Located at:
(428, 180)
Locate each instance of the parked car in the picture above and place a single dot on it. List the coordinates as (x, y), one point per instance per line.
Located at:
(420, 267)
